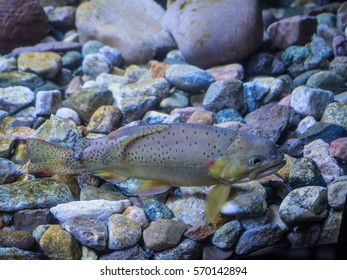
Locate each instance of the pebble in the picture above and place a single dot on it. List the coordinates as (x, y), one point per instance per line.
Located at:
(341, 97)
(137, 214)
(136, 44)
(253, 186)
(44, 64)
(341, 17)
(338, 148)
(296, 30)
(305, 172)
(186, 250)
(302, 79)
(86, 101)
(324, 131)
(337, 192)
(49, 46)
(340, 46)
(294, 55)
(133, 253)
(94, 64)
(72, 60)
(68, 114)
(177, 99)
(15, 98)
(14, 78)
(88, 254)
(111, 80)
(244, 204)
(18, 254)
(112, 54)
(227, 72)
(318, 150)
(228, 115)
(304, 236)
(209, 46)
(199, 232)
(92, 209)
(335, 113)
(310, 102)
(123, 232)
(7, 64)
(62, 18)
(328, 19)
(156, 210)
(18, 239)
(269, 121)
(224, 94)
(163, 234)
(304, 205)
(259, 237)
(320, 48)
(248, 223)
(190, 210)
(305, 124)
(326, 80)
(104, 120)
(9, 172)
(265, 64)
(339, 66)
(188, 77)
(6, 146)
(201, 116)
(39, 193)
(28, 220)
(47, 102)
(153, 117)
(227, 235)
(91, 47)
(330, 228)
(91, 233)
(58, 244)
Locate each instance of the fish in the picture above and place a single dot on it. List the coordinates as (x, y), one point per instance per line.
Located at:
(161, 156)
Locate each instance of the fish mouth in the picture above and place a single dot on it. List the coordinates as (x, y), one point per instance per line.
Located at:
(263, 172)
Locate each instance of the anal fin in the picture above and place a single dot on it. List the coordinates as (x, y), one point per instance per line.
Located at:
(110, 176)
(137, 187)
(215, 201)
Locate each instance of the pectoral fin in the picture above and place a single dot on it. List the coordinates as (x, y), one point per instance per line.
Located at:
(110, 176)
(116, 151)
(144, 187)
(216, 198)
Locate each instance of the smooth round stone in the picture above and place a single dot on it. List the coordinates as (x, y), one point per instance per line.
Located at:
(249, 223)
(244, 204)
(72, 60)
(104, 120)
(305, 124)
(14, 78)
(201, 116)
(228, 72)
(335, 113)
(18, 254)
(62, 18)
(12, 99)
(318, 150)
(57, 244)
(328, 19)
(226, 236)
(123, 232)
(39, 231)
(338, 148)
(93, 209)
(156, 210)
(304, 205)
(294, 55)
(186, 250)
(112, 54)
(320, 48)
(302, 79)
(7, 64)
(326, 80)
(137, 214)
(9, 171)
(86, 101)
(91, 47)
(229, 115)
(47, 102)
(305, 172)
(178, 99)
(94, 64)
(224, 94)
(68, 114)
(339, 66)
(39, 193)
(190, 210)
(311, 101)
(188, 77)
(88, 254)
(199, 232)
(207, 45)
(18, 239)
(153, 117)
(259, 237)
(265, 64)
(163, 234)
(337, 192)
(45, 64)
(133, 253)
(89, 232)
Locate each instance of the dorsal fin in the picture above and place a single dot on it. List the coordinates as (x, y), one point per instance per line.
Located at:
(122, 142)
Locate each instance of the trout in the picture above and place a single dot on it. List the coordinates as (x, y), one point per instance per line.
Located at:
(164, 155)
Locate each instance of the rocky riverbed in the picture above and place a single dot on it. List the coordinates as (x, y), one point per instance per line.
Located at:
(277, 70)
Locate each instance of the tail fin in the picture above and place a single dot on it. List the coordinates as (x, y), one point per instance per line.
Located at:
(47, 159)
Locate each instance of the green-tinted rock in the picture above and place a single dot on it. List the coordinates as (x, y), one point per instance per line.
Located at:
(156, 210)
(18, 254)
(104, 120)
(9, 172)
(305, 172)
(327, 80)
(86, 100)
(44, 64)
(57, 244)
(133, 108)
(72, 59)
(39, 193)
(335, 113)
(12, 99)
(226, 236)
(17, 238)
(15, 78)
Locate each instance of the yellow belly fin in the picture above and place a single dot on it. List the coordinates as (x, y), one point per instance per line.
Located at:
(216, 198)
(116, 150)
(148, 187)
(110, 176)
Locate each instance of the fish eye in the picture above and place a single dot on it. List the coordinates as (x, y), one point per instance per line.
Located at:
(256, 160)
